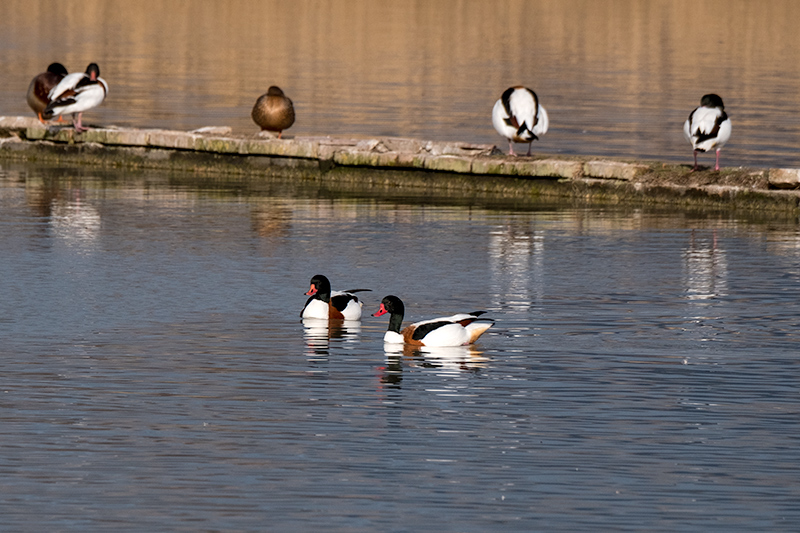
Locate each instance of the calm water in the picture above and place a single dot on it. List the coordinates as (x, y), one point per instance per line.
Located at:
(155, 374)
(618, 77)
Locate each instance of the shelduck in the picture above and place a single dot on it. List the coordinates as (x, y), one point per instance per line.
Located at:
(519, 117)
(76, 93)
(708, 127)
(273, 111)
(456, 330)
(39, 90)
(339, 305)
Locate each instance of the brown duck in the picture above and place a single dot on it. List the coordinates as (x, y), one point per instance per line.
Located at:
(40, 87)
(273, 111)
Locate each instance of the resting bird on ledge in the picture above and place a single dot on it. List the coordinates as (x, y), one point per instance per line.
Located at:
(519, 117)
(76, 93)
(39, 90)
(708, 127)
(273, 111)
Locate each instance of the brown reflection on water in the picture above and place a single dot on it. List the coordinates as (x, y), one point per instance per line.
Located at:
(617, 76)
(271, 219)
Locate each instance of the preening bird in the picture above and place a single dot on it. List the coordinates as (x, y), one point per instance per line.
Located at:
(519, 117)
(708, 127)
(273, 111)
(39, 90)
(324, 303)
(456, 330)
(76, 93)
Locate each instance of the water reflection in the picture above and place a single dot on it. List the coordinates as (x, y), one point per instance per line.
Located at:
(440, 360)
(705, 267)
(70, 215)
(271, 219)
(319, 333)
(516, 255)
(175, 351)
(785, 243)
(75, 223)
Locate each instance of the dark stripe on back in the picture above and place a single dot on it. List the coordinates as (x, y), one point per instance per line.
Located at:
(340, 301)
(701, 137)
(535, 109)
(512, 120)
(59, 103)
(424, 329)
(85, 82)
(506, 99)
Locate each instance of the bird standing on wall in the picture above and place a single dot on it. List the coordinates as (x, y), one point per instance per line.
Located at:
(273, 111)
(519, 117)
(76, 93)
(39, 90)
(456, 330)
(708, 127)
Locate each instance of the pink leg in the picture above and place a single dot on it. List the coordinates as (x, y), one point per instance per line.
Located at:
(511, 148)
(717, 165)
(529, 148)
(77, 123)
(695, 161)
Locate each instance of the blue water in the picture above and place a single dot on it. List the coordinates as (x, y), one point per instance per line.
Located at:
(155, 373)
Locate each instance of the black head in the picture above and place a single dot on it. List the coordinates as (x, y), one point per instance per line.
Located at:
(712, 100)
(319, 284)
(57, 68)
(93, 71)
(392, 305)
(274, 91)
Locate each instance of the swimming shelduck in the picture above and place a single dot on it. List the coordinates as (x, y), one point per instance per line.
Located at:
(340, 305)
(519, 117)
(76, 93)
(273, 111)
(456, 330)
(39, 90)
(708, 127)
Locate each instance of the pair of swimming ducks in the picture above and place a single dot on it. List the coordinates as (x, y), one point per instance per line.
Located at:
(457, 330)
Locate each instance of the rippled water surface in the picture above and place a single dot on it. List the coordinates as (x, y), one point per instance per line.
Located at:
(618, 77)
(155, 374)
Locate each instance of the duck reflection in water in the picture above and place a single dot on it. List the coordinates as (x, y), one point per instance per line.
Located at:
(271, 220)
(706, 267)
(706, 280)
(445, 360)
(319, 333)
(516, 260)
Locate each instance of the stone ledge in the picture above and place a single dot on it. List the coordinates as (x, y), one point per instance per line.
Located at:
(784, 178)
(613, 170)
(217, 149)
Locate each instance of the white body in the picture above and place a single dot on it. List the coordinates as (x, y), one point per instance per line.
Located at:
(453, 334)
(392, 337)
(319, 309)
(524, 108)
(86, 97)
(703, 121)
